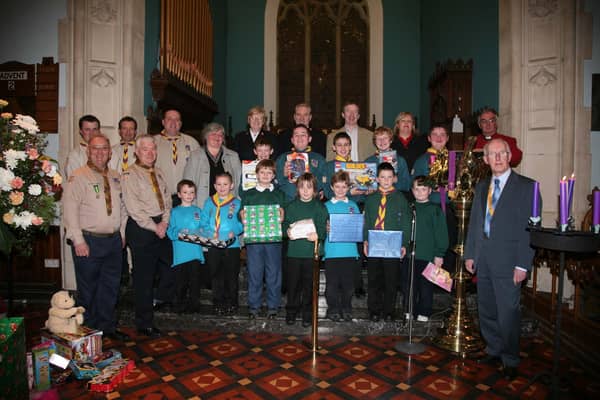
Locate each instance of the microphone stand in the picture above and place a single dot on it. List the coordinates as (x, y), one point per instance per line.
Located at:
(410, 347)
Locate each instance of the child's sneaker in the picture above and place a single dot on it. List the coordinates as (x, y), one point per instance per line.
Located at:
(422, 318)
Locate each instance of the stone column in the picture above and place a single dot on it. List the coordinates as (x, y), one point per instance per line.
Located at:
(542, 47)
(101, 43)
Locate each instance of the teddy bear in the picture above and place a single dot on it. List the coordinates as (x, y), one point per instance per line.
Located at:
(63, 316)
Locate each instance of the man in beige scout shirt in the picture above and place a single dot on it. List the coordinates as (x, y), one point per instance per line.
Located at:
(89, 126)
(148, 203)
(174, 150)
(94, 218)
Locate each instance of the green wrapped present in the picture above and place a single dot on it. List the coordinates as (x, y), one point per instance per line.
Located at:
(262, 224)
(13, 359)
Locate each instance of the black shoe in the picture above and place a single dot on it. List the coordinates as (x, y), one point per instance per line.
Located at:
(290, 319)
(150, 332)
(335, 317)
(231, 310)
(306, 323)
(389, 318)
(271, 314)
(359, 293)
(219, 310)
(117, 336)
(374, 317)
(490, 359)
(252, 314)
(510, 373)
(163, 306)
(348, 317)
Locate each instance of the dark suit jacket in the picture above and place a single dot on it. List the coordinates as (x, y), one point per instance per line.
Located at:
(508, 244)
(244, 146)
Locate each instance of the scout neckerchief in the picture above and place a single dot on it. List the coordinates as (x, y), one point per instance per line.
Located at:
(125, 163)
(107, 195)
(380, 221)
(220, 203)
(155, 187)
(307, 150)
(343, 159)
(173, 140)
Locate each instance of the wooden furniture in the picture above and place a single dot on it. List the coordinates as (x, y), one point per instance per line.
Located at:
(450, 94)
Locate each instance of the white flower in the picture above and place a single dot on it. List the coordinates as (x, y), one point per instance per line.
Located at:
(23, 219)
(6, 177)
(11, 157)
(35, 189)
(26, 122)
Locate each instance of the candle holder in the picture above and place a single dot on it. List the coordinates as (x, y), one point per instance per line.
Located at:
(535, 222)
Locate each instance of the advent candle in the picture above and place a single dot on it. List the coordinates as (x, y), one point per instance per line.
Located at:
(596, 208)
(451, 169)
(535, 206)
(563, 200)
(570, 189)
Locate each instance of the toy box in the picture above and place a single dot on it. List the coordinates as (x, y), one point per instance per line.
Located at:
(111, 376)
(41, 364)
(81, 347)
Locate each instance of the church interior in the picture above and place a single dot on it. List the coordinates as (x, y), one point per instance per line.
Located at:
(537, 62)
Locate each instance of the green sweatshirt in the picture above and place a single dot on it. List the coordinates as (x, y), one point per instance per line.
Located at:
(297, 210)
(397, 214)
(432, 232)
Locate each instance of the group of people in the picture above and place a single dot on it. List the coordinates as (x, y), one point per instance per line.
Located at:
(146, 190)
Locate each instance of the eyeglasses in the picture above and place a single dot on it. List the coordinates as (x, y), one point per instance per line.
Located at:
(409, 121)
(487, 121)
(501, 154)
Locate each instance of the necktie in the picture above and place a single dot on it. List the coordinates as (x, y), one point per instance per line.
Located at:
(492, 201)
(125, 163)
(173, 140)
(380, 221)
(107, 194)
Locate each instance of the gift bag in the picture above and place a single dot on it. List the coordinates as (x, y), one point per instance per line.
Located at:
(13, 359)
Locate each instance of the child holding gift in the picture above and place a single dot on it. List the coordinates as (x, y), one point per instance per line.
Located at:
(431, 245)
(386, 209)
(383, 138)
(187, 257)
(264, 259)
(340, 258)
(300, 250)
(220, 221)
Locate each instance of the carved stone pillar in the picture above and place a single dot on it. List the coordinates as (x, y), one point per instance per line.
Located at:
(542, 47)
(101, 42)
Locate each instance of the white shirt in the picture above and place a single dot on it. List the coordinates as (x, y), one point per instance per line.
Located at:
(353, 133)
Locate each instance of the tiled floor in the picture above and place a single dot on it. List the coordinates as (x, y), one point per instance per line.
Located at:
(218, 365)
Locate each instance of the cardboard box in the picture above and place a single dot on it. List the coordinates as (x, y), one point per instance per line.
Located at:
(81, 347)
(41, 364)
(111, 376)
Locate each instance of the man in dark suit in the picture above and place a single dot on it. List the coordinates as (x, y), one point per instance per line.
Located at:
(302, 115)
(497, 247)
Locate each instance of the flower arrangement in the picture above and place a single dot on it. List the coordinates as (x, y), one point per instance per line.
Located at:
(30, 184)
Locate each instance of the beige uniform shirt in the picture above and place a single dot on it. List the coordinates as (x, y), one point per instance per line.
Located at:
(76, 158)
(141, 201)
(84, 204)
(116, 158)
(173, 172)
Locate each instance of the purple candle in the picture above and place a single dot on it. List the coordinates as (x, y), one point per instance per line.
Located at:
(451, 169)
(596, 208)
(563, 200)
(571, 186)
(535, 206)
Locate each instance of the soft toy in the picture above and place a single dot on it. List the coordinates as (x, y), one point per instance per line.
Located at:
(63, 317)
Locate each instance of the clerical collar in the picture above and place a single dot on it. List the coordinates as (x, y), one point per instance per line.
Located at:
(489, 137)
(334, 200)
(261, 189)
(96, 169)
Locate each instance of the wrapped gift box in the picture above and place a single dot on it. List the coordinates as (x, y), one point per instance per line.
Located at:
(81, 347)
(13, 359)
(385, 244)
(262, 224)
(346, 227)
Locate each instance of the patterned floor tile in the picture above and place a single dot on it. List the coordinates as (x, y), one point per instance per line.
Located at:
(283, 384)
